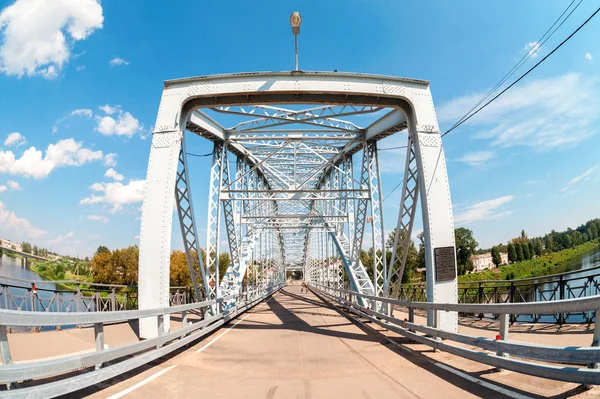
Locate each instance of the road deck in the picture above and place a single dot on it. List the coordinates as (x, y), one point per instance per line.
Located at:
(295, 346)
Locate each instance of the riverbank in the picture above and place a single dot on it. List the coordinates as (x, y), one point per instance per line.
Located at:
(57, 270)
(555, 262)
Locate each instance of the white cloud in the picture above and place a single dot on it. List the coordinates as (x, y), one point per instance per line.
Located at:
(98, 218)
(118, 61)
(110, 159)
(13, 185)
(85, 112)
(111, 173)
(61, 239)
(124, 125)
(107, 109)
(484, 210)
(38, 36)
(68, 244)
(582, 177)
(534, 114)
(14, 226)
(532, 48)
(66, 152)
(476, 158)
(15, 138)
(3, 188)
(588, 56)
(116, 194)
(79, 68)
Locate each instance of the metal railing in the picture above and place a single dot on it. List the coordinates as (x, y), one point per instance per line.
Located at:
(123, 358)
(20, 294)
(568, 285)
(496, 353)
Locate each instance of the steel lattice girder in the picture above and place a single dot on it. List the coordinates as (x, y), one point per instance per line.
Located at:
(406, 218)
(284, 151)
(187, 222)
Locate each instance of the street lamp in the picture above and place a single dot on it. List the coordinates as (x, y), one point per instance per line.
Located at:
(295, 21)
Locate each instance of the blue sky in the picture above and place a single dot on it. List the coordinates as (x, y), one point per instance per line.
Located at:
(80, 84)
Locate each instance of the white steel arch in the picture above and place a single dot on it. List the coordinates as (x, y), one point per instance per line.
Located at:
(293, 200)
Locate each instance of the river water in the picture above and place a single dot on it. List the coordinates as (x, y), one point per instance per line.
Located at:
(18, 296)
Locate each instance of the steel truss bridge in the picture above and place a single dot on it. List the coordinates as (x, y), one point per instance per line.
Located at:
(305, 187)
(295, 185)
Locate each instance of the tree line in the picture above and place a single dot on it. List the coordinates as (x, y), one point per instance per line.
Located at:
(120, 266)
(523, 248)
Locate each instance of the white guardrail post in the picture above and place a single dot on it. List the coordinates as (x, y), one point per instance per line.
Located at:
(596, 339)
(5, 350)
(99, 339)
(503, 333)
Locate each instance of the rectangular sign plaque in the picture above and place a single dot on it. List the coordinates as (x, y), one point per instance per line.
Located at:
(445, 264)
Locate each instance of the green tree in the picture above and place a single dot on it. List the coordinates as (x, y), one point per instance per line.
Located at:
(549, 243)
(26, 247)
(526, 253)
(102, 250)
(520, 254)
(466, 245)
(531, 249)
(496, 258)
(538, 247)
(412, 257)
(512, 252)
(224, 261)
(421, 258)
(593, 231)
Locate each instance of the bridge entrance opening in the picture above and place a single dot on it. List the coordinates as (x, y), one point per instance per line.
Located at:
(296, 175)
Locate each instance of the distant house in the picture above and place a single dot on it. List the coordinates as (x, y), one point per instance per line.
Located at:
(10, 244)
(484, 261)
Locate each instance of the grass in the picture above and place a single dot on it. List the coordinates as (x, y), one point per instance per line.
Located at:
(552, 263)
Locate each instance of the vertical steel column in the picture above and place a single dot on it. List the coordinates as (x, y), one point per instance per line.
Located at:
(187, 222)
(214, 220)
(350, 205)
(232, 277)
(438, 222)
(406, 218)
(156, 225)
(379, 259)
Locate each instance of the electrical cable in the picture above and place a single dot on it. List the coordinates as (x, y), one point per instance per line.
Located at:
(523, 75)
(394, 189)
(541, 41)
(200, 155)
(391, 148)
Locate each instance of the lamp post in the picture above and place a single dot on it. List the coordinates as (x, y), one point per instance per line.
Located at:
(295, 21)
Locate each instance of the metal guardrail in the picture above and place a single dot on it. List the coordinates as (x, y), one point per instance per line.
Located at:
(136, 354)
(553, 287)
(31, 295)
(495, 353)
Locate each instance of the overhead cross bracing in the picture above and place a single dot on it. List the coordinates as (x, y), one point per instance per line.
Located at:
(295, 175)
(300, 152)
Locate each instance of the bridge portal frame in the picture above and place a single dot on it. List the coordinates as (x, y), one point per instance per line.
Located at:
(414, 108)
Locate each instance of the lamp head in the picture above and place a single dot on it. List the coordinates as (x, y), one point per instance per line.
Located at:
(295, 21)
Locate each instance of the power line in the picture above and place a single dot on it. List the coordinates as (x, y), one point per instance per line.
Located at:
(391, 148)
(200, 155)
(538, 44)
(522, 76)
(394, 189)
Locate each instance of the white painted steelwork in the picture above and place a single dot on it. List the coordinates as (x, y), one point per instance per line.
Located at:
(293, 199)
